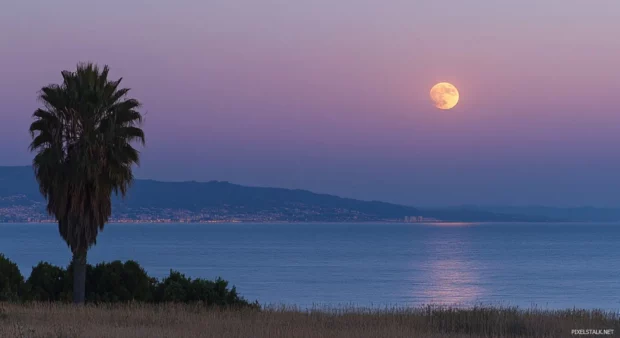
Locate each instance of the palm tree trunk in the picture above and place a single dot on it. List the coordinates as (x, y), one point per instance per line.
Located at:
(79, 277)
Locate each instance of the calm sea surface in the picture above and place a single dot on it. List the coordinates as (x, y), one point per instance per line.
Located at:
(547, 265)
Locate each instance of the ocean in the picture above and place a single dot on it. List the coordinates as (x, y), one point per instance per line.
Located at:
(546, 265)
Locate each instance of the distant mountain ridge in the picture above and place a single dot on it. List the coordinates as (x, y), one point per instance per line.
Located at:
(150, 200)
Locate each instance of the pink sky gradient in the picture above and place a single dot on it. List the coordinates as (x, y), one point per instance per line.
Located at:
(332, 96)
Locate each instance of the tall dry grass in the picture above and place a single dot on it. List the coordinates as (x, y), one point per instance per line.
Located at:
(176, 320)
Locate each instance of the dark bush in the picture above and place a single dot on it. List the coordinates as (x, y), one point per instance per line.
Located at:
(47, 283)
(179, 288)
(214, 293)
(118, 282)
(173, 288)
(114, 282)
(11, 280)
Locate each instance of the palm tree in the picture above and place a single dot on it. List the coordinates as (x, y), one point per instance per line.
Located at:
(82, 137)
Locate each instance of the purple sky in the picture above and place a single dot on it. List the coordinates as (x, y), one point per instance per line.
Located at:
(332, 95)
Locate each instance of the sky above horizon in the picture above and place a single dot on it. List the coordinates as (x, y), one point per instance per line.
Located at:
(333, 96)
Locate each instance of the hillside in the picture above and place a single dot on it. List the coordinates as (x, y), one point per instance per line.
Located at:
(150, 200)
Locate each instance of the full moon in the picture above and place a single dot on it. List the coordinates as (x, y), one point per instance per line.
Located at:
(445, 95)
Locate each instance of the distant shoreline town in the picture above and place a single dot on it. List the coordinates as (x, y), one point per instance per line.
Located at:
(173, 221)
(151, 201)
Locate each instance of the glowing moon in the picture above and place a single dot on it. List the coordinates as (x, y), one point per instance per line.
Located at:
(445, 95)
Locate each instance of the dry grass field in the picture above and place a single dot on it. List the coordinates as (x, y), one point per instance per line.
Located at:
(176, 320)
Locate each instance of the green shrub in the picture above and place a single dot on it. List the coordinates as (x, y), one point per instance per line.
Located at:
(47, 283)
(179, 288)
(11, 280)
(118, 282)
(214, 293)
(173, 288)
(114, 282)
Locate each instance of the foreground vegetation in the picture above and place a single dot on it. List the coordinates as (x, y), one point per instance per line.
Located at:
(114, 282)
(183, 320)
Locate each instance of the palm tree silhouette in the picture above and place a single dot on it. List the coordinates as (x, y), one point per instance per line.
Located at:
(83, 139)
